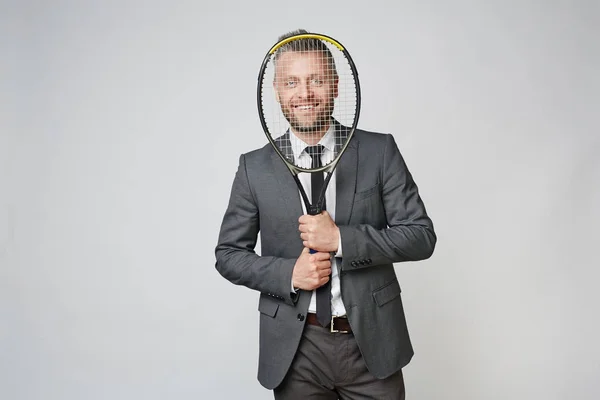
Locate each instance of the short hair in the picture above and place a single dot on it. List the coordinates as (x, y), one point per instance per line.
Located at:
(309, 44)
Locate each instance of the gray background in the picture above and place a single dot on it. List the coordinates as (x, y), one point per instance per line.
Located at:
(116, 114)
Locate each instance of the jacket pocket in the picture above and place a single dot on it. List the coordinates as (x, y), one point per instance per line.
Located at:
(267, 306)
(363, 194)
(387, 293)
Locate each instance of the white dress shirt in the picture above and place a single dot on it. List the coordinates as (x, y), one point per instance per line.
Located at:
(303, 159)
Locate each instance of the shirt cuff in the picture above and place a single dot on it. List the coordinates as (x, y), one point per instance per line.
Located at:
(339, 252)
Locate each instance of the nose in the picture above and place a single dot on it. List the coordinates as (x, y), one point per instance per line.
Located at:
(304, 89)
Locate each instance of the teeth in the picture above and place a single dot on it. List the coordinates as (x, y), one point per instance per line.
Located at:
(304, 107)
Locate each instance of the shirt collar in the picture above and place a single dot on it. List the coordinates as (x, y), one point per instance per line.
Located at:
(327, 141)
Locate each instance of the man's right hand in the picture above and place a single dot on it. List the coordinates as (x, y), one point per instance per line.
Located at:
(311, 270)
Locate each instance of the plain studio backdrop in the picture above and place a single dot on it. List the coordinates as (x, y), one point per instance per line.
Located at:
(122, 124)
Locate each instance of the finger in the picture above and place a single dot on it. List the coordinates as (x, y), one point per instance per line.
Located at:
(304, 236)
(305, 219)
(323, 255)
(321, 265)
(313, 246)
(303, 228)
(324, 272)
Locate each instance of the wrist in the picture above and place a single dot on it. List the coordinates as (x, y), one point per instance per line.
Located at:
(338, 252)
(336, 243)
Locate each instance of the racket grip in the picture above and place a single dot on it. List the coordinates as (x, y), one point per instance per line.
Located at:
(311, 251)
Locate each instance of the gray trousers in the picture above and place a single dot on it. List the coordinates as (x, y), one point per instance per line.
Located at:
(329, 366)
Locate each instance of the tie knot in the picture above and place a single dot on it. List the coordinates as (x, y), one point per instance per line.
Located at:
(316, 150)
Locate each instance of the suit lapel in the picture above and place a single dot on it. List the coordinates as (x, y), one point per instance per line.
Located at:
(290, 196)
(285, 146)
(345, 179)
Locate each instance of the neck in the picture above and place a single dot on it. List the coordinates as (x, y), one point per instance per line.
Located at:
(310, 138)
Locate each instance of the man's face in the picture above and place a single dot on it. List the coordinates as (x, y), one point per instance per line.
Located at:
(305, 88)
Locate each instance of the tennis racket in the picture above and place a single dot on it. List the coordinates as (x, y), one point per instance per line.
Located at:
(307, 88)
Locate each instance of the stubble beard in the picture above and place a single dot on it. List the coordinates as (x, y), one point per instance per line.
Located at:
(318, 127)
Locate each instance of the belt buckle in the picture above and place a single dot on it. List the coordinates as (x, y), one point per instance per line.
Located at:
(335, 330)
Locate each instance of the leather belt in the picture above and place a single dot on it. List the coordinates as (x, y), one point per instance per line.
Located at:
(337, 324)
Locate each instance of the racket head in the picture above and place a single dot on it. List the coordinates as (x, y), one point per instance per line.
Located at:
(308, 85)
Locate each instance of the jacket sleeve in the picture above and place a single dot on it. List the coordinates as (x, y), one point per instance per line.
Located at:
(236, 259)
(409, 235)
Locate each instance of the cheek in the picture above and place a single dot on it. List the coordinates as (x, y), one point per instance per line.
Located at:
(321, 93)
(328, 93)
(334, 91)
(283, 98)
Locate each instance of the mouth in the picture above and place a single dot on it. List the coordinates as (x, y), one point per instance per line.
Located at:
(306, 107)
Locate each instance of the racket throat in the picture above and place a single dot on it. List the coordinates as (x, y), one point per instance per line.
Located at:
(311, 209)
(314, 209)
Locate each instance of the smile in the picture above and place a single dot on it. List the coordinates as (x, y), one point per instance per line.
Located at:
(305, 107)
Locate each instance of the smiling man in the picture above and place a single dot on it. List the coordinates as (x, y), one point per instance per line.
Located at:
(332, 323)
(305, 84)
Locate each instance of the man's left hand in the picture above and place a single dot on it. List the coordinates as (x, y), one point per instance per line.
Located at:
(319, 232)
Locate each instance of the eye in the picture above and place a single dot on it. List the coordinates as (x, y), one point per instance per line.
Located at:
(316, 81)
(290, 83)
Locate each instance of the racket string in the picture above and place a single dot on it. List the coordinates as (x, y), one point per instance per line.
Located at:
(308, 96)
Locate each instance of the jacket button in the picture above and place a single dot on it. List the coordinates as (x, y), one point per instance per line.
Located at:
(300, 317)
(353, 263)
(369, 261)
(362, 262)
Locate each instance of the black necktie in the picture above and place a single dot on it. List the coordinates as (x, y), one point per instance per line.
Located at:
(317, 181)
(316, 178)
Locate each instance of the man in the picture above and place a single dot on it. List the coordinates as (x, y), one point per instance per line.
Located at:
(374, 217)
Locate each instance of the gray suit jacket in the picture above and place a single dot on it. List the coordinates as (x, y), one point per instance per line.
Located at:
(382, 221)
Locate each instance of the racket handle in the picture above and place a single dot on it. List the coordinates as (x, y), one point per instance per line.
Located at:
(311, 251)
(315, 210)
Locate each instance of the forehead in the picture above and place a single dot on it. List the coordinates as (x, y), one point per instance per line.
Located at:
(302, 61)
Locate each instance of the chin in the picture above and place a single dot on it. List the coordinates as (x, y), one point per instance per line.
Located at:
(307, 129)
